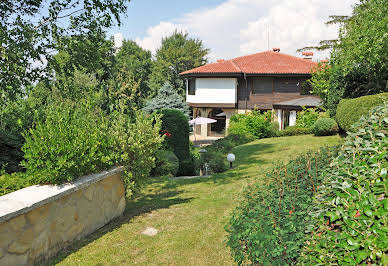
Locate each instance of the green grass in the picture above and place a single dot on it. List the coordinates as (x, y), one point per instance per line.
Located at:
(189, 214)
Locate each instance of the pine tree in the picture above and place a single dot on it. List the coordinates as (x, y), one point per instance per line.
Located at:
(169, 98)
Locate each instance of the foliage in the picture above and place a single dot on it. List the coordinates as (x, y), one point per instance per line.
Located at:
(307, 117)
(13, 182)
(177, 54)
(351, 204)
(252, 124)
(294, 131)
(16, 117)
(70, 142)
(325, 127)
(215, 157)
(135, 145)
(167, 98)
(349, 111)
(28, 37)
(358, 64)
(268, 227)
(137, 62)
(166, 163)
(176, 124)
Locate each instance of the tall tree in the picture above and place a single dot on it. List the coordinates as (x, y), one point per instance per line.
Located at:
(358, 65)
(136, 61)
(27, 37)
(167, 98)
(178, 53)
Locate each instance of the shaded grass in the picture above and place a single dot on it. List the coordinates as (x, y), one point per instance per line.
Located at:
(190, 214)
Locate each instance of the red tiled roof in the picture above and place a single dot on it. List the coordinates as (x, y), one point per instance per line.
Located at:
(267, 62)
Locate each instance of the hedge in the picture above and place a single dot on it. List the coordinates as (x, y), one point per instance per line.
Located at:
(325, 127)
(351, 204)
(349, 111)
(176, 126)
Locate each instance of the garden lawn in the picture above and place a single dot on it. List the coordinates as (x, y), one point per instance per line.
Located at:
(189, 214)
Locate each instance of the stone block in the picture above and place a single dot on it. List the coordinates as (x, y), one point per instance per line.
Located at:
(39, 218)
(7, 235)
(23, 243)
(88, 193)
(18, 223)
(12, 259)
(2, 253)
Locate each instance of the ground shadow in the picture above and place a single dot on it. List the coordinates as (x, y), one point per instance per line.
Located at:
(140, 204)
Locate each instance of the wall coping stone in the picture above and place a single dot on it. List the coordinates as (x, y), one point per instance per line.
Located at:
(26, 199)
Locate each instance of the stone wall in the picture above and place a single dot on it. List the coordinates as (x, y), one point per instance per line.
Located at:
(36, 222)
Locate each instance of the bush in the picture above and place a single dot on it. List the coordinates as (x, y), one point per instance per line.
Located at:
(177, 126)
(135, 144)
(215, 160)
(166, 163)
(325, 127)
(78, 139)
(252, 124)
(294, 131)
(307, 117)
(13, 182)
(352, 204)
(72, 141)
(268, 227)
(349, 111)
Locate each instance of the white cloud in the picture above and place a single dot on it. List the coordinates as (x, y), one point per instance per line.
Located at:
(118, 39)
(155, 34)
(240, 27)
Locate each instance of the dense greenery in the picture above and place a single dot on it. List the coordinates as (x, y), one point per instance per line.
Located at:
(351, 204)
(268, 227)
(215, 156)
(166, 163)
(252, 124)
(28, 37)
(293, 131)
(358, 64)
(307, 117)
(177, 54)
(167, 98)
(349, 111)
(176, 127)
(325, 127)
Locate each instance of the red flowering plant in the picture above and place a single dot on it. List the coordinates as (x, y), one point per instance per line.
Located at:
(166, 133)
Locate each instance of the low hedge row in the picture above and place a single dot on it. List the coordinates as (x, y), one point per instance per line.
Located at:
(349, 111)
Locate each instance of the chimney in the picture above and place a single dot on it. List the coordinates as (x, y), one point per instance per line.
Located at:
(276, 49)
(308, 55)
(220, 60)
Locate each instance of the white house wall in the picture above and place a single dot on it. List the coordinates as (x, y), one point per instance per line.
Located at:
(214, 90)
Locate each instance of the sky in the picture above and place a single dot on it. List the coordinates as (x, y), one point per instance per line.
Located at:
(232, 28)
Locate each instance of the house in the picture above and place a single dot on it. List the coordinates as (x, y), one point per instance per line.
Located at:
(268, 80)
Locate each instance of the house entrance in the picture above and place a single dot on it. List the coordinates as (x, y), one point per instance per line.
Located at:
(217, 129)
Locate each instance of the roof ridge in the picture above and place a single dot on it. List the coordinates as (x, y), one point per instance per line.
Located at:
(236, 65)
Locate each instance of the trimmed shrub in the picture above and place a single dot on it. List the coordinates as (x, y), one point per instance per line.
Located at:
(351, 227)
(325, 127)
(177, 126)
(268, 227)
(166, 164)
(294, 131)
(349, 111)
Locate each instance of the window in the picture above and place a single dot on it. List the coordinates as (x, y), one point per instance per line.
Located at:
(191, 86)
(287, 85)
(262, 85)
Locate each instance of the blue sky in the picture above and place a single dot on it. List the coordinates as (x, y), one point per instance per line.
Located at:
(143, 14)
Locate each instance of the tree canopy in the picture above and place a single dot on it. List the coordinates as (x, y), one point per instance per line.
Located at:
(178, 53)
(358, 65)
(29, 36)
